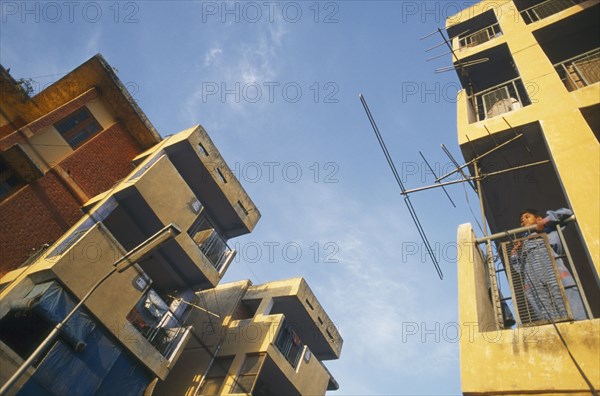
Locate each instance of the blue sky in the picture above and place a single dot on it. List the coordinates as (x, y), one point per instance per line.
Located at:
(276, 86)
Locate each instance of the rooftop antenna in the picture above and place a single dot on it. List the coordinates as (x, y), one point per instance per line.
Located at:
(475, 164)
(473, 181)
(403, 191)
(461, 65)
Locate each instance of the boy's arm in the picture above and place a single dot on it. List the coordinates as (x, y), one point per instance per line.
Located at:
(554, 217)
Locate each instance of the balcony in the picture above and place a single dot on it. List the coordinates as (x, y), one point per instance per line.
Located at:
(545, 9)
(475, 31)
(141, 206)
(535, 278)
(293, 299)
(535, 357)
(153, 319)
(500, 99)
(211, 243)
(580, 71)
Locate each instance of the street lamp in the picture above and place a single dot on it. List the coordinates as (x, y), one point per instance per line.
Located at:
(130, 258)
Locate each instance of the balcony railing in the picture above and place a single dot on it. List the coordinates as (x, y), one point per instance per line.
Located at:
(211, 243)
(581, 70)
(290, 344)
(546, 8)
(153, 319)
(537, 292)
(543, 285)
(480, 36)
(500, 99)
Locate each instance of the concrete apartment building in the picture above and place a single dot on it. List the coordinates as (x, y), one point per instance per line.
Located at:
(530, 72)
(274, 335)
(60, 148)
(107, 184)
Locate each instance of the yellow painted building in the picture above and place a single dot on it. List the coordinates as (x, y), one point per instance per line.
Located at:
(528, 120)
(208, 205)
(267, 339)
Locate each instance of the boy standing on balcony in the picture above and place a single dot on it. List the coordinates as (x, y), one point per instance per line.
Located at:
(539, 291)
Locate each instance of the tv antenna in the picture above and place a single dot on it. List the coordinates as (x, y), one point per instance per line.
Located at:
(473, 181)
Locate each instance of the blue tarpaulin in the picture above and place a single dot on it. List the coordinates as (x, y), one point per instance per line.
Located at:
(102, 367)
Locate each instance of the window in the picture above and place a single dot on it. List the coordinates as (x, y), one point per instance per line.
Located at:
(78, 127)
(242, 208)
(202, 149)
(9, 180)
(216, 376)
(247, 376)
(221, 176)
(290, 344)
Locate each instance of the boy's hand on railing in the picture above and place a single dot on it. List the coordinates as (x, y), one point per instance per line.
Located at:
(515, 248)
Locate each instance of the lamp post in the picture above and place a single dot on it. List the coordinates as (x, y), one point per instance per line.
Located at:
(122, 264)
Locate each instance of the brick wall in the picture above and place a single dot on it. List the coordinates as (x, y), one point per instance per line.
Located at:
(38, 213)
(61, 112)
(103, 160)
(44, 210)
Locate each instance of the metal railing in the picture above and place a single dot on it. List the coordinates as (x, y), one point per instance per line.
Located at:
(503, 98)
(543, 285)
(581, 70)
(153, 319)
(211, 243)
(289, 344)
(537, 292)
(166, 336)
(481, 36)
(546, 8)
(215, 248)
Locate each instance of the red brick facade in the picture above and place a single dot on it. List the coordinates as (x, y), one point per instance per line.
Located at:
(38, 213)
(43, 210)
(103, 160)
(63, 111)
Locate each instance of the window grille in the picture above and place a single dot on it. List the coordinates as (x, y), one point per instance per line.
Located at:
(211, 243)
(581, 70)
(480, 36)
(546, 9)
(290, 344)
(500, 99)
(216, 376)
(248, 374)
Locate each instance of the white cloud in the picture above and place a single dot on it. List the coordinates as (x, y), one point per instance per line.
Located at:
(211, 55)
(373, 296)
(232, 63)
